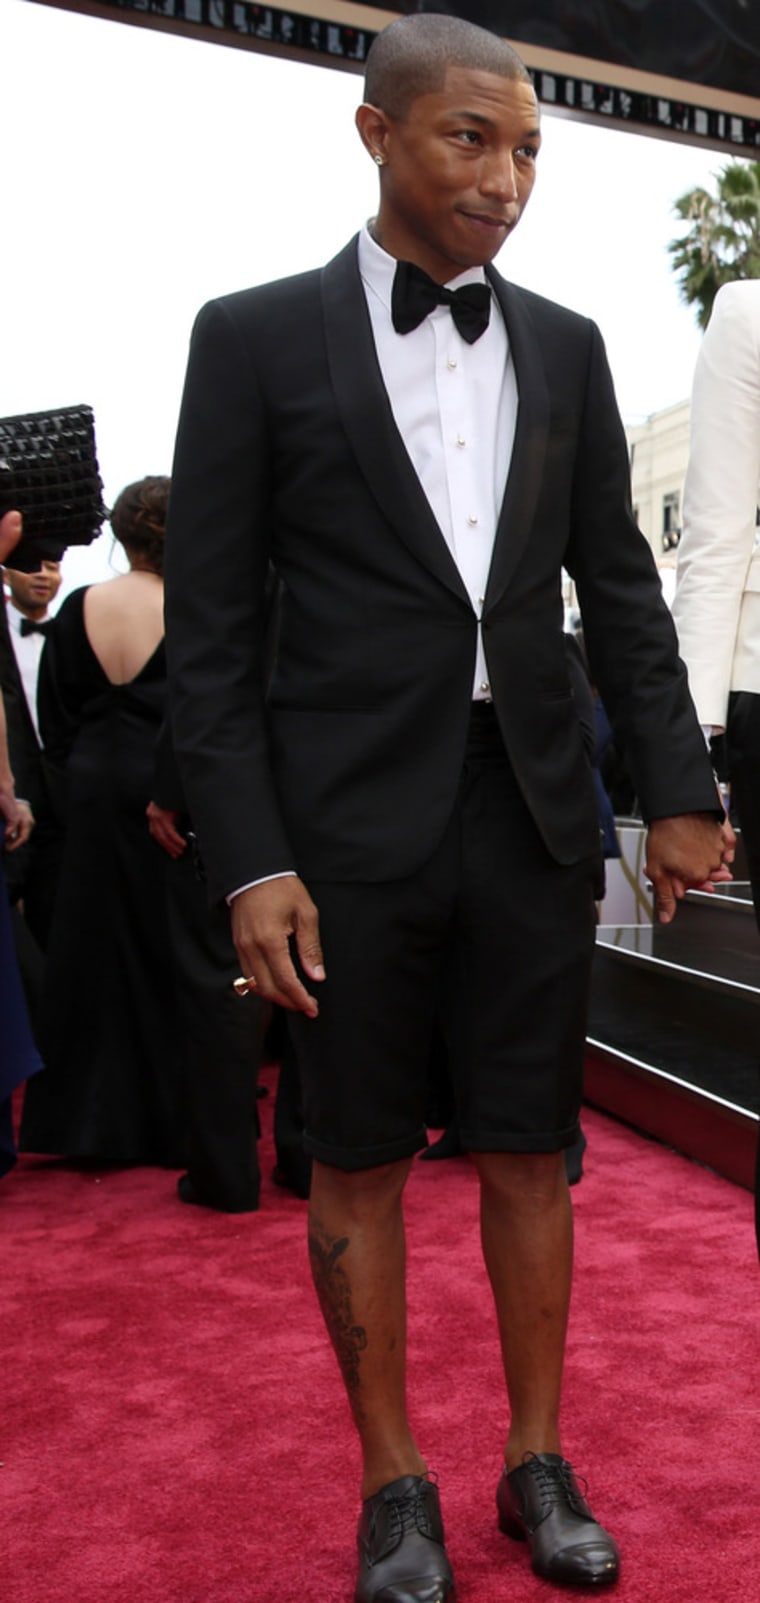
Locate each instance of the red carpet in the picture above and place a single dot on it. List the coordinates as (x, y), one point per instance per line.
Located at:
(174, 1430)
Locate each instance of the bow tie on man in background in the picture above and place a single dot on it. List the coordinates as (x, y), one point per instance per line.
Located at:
(29, 626)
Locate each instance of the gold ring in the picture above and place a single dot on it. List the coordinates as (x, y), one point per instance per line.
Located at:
(243, 986)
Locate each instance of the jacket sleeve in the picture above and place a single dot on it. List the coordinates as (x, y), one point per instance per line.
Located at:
(216, 607)
(628, 630)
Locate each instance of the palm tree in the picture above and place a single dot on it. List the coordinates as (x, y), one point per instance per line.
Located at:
(722, 240)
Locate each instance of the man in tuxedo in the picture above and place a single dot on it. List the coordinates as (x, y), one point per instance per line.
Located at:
(405, 824)
(717, 601)
(29, 597)
(33, 877)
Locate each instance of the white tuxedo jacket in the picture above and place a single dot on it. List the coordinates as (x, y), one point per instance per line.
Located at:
(717, 602)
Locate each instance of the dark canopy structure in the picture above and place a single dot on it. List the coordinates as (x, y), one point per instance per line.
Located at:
(685, 71)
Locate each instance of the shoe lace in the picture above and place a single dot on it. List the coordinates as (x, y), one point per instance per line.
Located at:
(408, 1512)
(556, 1480)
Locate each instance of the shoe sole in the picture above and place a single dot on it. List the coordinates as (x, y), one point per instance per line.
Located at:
(447, 1593)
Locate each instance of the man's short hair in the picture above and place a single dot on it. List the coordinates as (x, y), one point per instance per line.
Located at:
(412, 55)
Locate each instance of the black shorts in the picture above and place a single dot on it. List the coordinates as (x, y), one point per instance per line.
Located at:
(492, 940)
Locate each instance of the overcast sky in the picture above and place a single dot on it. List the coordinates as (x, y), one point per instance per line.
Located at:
(144, 173)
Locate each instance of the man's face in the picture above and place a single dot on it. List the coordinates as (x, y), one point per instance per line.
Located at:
(458, 171)
(33, 592)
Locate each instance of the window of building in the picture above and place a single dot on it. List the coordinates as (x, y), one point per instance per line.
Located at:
(671, 528)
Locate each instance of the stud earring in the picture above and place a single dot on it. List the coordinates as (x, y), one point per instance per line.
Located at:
(380, 161)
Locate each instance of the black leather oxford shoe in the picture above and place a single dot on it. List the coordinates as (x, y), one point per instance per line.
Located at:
(402, 1558)
(541, 1503)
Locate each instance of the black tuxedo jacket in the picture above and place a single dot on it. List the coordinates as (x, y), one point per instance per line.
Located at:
(33, 778)
(33, 871)
(347, 768)
(23, 745)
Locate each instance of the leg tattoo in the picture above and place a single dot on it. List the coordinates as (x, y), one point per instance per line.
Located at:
(334, 1292)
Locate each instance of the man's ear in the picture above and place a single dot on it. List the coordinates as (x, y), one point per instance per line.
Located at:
(373, 126)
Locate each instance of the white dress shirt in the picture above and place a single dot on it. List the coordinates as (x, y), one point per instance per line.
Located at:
(455, 407)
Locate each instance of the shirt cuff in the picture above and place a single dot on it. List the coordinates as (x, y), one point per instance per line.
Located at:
(284, 873)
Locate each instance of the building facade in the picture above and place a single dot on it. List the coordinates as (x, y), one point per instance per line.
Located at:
(659, 450)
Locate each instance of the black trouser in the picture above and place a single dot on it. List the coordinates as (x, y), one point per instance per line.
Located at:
(743, 767)
(743, 764)
(220, 1044)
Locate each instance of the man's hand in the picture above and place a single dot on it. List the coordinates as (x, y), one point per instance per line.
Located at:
(263, 919)
(162, 823)
(691, 851)
(19, 820)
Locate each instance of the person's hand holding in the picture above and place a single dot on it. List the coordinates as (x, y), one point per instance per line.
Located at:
(263, 920)
(19, 819)
(691, 851)
(162, 823)
(10, 533)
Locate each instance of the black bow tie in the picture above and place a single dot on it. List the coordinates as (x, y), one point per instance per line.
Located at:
(29, 627)
(415, 295)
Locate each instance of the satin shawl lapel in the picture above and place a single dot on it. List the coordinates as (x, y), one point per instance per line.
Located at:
(529, 449)
(368, 420)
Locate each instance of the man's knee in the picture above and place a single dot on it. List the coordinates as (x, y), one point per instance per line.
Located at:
(521, 1177)
(357, 1190)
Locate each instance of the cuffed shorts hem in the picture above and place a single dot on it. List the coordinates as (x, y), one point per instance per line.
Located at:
(352, 1159)
(507, 1141)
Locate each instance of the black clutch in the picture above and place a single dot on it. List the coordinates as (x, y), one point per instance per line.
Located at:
(49, 473)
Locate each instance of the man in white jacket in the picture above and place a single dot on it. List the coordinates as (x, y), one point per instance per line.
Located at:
(717, 602)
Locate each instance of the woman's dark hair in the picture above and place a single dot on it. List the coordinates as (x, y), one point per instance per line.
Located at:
(138, 519)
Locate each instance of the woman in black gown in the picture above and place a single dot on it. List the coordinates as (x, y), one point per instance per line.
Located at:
(111, 1090)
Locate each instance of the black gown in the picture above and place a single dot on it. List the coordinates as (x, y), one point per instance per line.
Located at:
(107, 1032)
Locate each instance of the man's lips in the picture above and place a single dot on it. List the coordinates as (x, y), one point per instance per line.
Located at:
(489, 220)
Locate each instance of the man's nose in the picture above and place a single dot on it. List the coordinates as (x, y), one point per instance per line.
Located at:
(500, 176)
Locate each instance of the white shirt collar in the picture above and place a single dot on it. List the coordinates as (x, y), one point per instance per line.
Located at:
(15, 615)
(378, 269)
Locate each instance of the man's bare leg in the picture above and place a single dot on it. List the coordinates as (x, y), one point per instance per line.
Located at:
(358, 1259)
(527, 1235)
(527, 1230)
